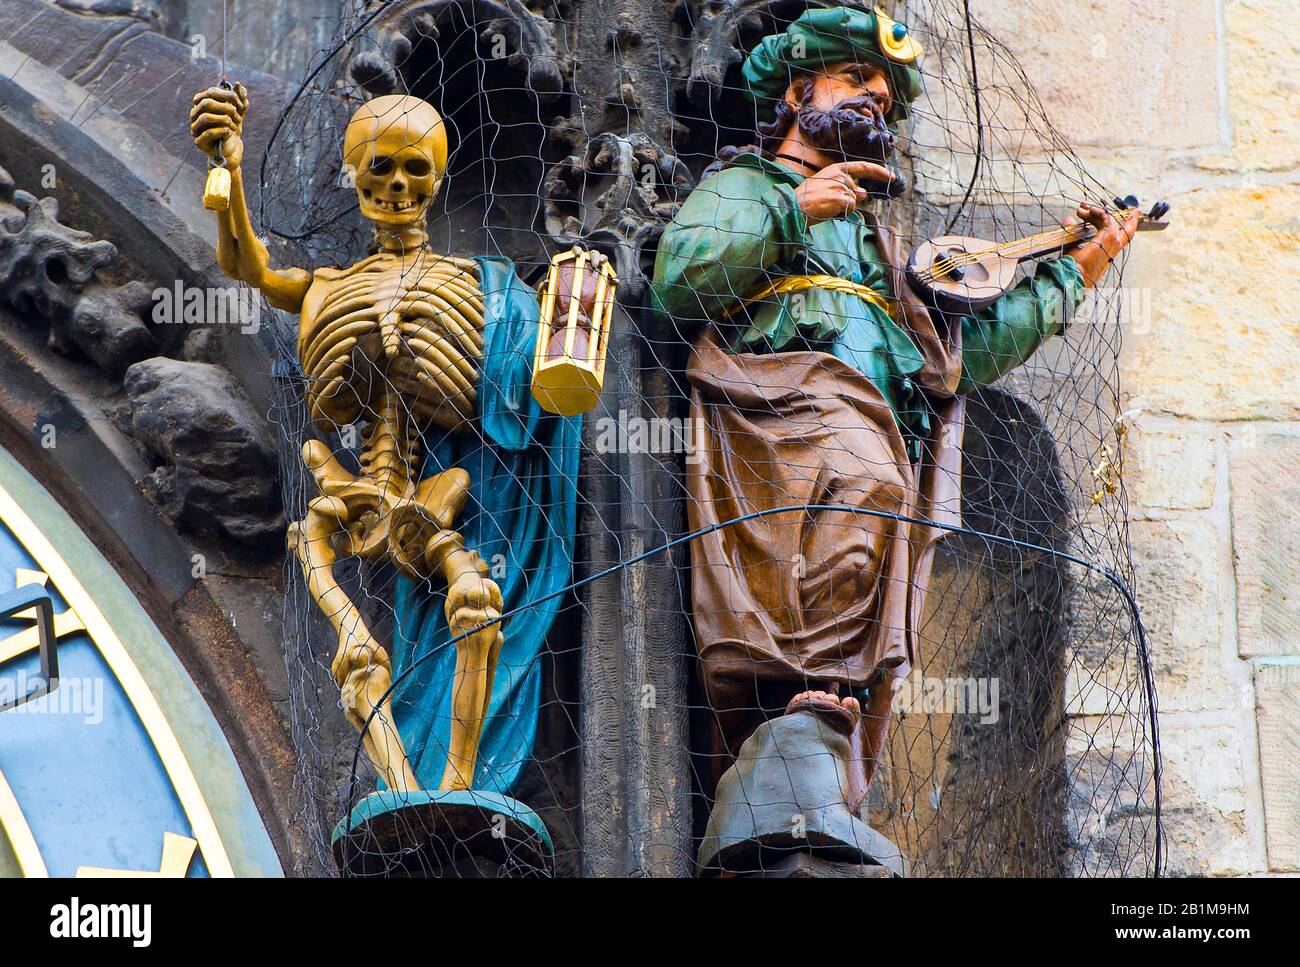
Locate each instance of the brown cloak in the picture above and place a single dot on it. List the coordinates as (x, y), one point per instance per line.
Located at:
(821, 598)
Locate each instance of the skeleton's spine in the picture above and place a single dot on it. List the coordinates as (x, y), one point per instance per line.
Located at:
(389, 447)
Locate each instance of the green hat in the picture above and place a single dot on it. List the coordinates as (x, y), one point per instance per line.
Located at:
(824, 36)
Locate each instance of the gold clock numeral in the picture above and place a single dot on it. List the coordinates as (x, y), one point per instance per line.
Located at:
(21, 642)
(177, 853)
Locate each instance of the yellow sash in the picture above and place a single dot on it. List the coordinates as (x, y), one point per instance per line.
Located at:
(798, 283)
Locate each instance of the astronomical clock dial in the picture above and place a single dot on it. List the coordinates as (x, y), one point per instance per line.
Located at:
(120, 770)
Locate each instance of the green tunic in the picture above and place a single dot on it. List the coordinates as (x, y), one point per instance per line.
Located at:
(742, 227)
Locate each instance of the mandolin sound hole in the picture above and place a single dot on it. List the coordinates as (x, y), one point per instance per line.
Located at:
(971, 273)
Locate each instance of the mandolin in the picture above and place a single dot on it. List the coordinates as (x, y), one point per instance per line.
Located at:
(963, 275)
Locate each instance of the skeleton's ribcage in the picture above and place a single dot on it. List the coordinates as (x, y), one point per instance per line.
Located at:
(413, 332)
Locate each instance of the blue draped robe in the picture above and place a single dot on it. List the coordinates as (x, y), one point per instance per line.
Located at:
(520, 516)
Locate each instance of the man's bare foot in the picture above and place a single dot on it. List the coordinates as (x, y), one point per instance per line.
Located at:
(843, 713)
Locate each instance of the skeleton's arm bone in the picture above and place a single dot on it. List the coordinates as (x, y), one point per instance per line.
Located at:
(216, 123)
(242, 255)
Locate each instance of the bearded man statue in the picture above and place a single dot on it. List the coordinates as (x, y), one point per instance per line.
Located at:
(819, 377)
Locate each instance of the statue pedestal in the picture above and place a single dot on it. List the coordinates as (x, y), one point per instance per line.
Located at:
(785, 796)
(466, 833)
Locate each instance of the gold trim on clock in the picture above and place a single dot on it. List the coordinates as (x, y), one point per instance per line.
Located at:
(14, 826)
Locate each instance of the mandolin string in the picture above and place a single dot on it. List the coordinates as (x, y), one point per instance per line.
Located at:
(1066, 234)
(944, 266)
(1064, 231)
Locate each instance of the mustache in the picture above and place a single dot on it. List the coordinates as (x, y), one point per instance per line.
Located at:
(854, 128)
(862, 105)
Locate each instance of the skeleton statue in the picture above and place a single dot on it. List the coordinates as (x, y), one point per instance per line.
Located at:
(430, 352)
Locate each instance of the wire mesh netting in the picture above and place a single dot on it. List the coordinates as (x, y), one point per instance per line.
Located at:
(776, 455)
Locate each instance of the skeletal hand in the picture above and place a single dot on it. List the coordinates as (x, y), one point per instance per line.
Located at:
(1095, 255)
(834, 191)
(217, 122)
(472, 600)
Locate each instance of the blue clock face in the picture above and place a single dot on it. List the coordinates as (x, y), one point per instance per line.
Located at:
(121, 769)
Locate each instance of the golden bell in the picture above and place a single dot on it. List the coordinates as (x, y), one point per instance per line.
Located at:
(216, 191)
(569, 365)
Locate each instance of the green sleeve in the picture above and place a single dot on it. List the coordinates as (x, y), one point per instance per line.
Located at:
(731, 228)
(1002, 336)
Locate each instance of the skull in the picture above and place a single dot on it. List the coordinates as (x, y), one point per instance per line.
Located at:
(396, 147)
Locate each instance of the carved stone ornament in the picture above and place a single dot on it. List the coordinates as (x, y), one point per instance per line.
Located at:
(52, 270)
(528, 36)
(616, 194)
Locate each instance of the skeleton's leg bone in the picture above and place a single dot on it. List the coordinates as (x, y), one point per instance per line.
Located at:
(443, 495)
(362, 684)
(360, 666)
(493, 655)
(471, 692)
(472, 599)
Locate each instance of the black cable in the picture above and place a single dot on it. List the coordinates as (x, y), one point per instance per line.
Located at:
(284, 113)
(979, 121)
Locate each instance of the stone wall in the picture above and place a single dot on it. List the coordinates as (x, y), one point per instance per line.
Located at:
(1191, 101)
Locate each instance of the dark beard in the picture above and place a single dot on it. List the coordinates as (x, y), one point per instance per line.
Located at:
(854, 130)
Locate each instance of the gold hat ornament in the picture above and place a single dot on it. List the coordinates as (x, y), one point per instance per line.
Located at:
(895, 40)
